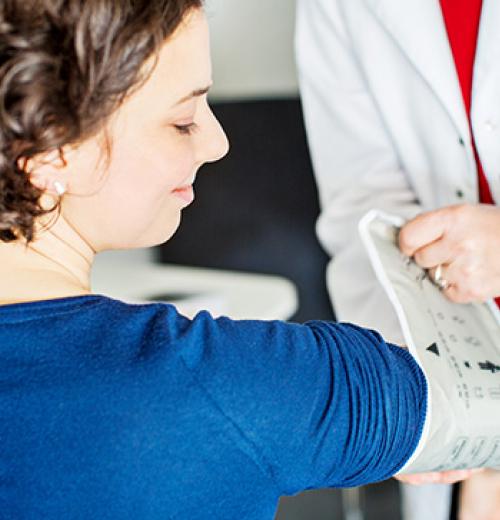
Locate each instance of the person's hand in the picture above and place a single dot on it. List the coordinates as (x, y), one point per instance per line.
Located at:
(465, 241)
(444, 477)
(480, 497)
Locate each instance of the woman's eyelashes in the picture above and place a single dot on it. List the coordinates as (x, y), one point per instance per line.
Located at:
(186, 129)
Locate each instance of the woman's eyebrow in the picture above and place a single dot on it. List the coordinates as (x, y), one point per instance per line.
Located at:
(196, 93)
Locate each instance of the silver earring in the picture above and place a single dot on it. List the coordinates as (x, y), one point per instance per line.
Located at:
(60, 188)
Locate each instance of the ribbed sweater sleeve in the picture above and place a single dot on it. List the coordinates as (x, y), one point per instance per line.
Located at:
(315, 405)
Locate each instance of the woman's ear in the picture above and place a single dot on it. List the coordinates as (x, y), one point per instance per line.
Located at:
(47, 171)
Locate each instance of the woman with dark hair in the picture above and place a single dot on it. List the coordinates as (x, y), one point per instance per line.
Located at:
(112, 410)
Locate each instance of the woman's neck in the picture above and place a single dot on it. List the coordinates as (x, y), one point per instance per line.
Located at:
(55, 265)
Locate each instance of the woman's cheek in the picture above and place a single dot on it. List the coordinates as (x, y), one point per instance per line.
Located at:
(173, 163)
(179, 170)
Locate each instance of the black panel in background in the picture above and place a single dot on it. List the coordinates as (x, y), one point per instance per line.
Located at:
(256, 209)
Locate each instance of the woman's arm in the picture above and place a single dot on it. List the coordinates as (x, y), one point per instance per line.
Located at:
(317, 405)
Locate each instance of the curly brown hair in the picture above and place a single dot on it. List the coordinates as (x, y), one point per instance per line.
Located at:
(65, 67)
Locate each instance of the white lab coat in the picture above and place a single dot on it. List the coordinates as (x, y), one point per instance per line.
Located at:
(387, 128)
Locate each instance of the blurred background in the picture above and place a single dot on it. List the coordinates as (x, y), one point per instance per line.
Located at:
(254, 214)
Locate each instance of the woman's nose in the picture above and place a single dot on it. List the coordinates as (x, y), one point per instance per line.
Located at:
(216, 144)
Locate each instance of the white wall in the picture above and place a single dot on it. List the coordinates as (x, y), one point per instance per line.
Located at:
(252, 48)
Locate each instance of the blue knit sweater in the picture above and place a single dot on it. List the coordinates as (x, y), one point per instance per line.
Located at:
(118, 411)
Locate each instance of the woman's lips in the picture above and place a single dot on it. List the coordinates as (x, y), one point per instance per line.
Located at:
(186, 193)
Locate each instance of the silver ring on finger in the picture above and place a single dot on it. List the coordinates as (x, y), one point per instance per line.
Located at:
(441, 283)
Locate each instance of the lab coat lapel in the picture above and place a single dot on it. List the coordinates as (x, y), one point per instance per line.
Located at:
(418, 28)
(487, 62)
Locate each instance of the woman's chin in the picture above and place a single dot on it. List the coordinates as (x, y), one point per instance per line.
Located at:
(159, 236)
(151, 236)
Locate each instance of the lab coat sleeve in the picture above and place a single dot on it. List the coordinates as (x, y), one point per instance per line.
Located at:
(355, 164)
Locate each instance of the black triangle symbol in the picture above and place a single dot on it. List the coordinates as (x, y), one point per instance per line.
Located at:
(434, 349)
